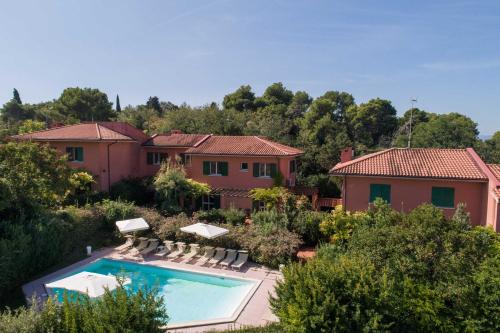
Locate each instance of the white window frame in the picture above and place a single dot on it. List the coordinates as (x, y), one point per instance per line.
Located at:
(157, 158)
(72, 154)
(214, 169)
(264, 170)
(241, 167)
(207, 202)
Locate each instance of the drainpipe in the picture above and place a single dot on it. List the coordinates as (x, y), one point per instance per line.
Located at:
(109, 167)
(344, 198)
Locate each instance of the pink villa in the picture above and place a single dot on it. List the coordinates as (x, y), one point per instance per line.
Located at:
(408, 177)
(231, 165)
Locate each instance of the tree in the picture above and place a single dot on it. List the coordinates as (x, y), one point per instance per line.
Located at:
(415, 272)
(242, 99)
(299, 104)
(491, 154)
(16, 96)
(118, 106)
(276, 93)
(405, 125)
(29, 126)
(373, 123)
(451, 130)
(14, 112)
(154, 103)
(33, 177)
(85, 105)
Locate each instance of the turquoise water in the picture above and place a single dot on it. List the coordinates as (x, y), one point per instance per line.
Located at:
(189, 296)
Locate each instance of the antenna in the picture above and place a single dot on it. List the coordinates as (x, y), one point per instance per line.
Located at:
(413, 100)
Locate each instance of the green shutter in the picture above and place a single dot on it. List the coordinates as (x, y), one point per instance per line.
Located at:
(79, 154)
(206, 167)
(256, 169)
(149, 158)
(380, 191)
(223, 168)
(443, 197)
(274, 169)
(216, 199)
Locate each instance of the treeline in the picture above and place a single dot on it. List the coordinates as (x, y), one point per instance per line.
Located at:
(321, 126)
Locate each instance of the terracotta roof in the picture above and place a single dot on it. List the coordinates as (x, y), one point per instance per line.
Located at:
(232, 192)
(242, 145)
(495, 169)
(414, 162)
(175, 140)
(78, 132)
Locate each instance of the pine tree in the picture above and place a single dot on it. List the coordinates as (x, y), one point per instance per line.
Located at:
(17, 98)
(118, 107)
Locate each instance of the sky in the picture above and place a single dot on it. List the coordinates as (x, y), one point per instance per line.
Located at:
(446, 54)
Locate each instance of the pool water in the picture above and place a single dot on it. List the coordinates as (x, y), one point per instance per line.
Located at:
(189, 296)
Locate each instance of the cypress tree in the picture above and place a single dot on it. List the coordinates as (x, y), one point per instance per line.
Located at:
(118, 107)
(17, 98)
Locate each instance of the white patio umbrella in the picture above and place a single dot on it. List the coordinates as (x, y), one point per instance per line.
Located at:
(205, 230)
(132, 225)
(92, 284)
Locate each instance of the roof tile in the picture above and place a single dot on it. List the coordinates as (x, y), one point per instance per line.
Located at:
(175, 140)
(79, 132)
(414, 162)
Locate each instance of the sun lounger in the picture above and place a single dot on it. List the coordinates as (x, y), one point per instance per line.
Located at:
(241, 260)
(231, 256)
(180, 250)
(153, 244)
(194, 248)
(127, 245)
(209, 253)
(165, 249)
(220, 253)
(142, 245)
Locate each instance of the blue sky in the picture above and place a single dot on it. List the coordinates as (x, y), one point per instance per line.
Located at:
(445, 53)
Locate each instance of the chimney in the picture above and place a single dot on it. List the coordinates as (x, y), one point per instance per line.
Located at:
(176, 131)
(346, 154)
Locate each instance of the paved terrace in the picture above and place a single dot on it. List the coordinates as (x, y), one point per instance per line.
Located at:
(255, 313)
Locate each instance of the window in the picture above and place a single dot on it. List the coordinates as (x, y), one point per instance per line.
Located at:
(380, 191)
(244, 166)
(75, 154)
(293, 166)
(264, 170)
(213, 168)
(258, 205)
(443, 197)
(210, 202)
(155, 158)
(187, 160)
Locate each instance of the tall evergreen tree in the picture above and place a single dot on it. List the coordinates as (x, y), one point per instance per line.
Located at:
(118, 107)
(17, 98)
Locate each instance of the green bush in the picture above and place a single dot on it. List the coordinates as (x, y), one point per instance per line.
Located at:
(418, 272)
(231, 216)
(137, 190)
(270, 328)
(112, 211)
(306, 224)
(268, 220)
(116, 311)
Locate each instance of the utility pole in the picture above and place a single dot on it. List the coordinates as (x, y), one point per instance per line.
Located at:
(413, 100)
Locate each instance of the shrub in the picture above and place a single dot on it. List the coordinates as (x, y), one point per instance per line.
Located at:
(233, 216)
(112, 211)
(116, 311)
(339, 224)
(307, 225)
(137, 190)
(415, 272)
(268, 220)
(270, 328)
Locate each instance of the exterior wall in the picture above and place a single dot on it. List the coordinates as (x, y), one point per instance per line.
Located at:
(151, 170)
(238, 202)
(406, 194)
(122, 156)
(237, 179)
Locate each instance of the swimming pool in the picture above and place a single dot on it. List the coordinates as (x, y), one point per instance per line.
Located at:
(190, 297)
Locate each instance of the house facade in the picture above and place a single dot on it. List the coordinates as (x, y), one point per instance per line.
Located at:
(231, 165)
(409, 177)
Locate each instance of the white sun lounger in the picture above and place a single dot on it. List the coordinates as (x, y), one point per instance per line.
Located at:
(241, 260)
(127, 245)
(166, 249)
(220, 253)
(180, 250)
(194, 248)
(209, 253)
(231, 256)
(153, 244)
(142, 245)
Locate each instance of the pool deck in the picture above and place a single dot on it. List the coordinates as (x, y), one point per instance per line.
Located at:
(255, 313)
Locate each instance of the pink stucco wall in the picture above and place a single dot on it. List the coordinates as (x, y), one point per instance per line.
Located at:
(122, 156)
(406, 194)
(151, 170)
(236, 178)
